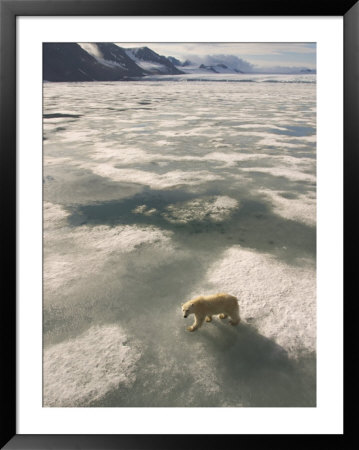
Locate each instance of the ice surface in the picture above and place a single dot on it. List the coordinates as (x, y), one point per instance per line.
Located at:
(294, 206)
(157, 191)
(200, 75)
(296, 175)
(82, 370)
(280, 297)
(87, 247)
(216, 209)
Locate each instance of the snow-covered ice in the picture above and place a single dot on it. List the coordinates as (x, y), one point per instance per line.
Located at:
(82, 370)
(159, 190)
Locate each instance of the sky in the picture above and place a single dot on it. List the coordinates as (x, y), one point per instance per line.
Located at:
(265, 55)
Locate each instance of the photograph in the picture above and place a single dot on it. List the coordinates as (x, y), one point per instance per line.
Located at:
(179, 212)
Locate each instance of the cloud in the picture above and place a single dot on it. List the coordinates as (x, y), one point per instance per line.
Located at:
(229, 60)
(252, 53)
(281, 69)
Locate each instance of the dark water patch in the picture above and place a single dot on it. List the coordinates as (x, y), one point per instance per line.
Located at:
(60, 115)
(303, 154)
(309, 171)
(261, 369)
(68, 186)
(261, 162)
(276, 183)
(289, 195)
(122, 212)
(48, 179)
(161, 166)
(253, 225)
(130, 108)
(291, 130)
(257, 227)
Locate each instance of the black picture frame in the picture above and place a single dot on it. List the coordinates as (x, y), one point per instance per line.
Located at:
(9, 10)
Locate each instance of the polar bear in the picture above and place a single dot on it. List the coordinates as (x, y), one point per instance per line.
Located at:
(205, 306)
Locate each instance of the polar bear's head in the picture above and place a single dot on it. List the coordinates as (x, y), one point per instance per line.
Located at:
(187, 309)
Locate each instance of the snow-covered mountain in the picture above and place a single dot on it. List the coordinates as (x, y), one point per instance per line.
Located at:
(231, 64)
(220, 68)
(111, 55)
(151, 62)
(101, 62)
(226, 64)
(87, 62)
(175, 61)
(110, 62)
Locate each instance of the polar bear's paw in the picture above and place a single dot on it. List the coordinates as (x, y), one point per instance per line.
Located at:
(223, 316)
(209, 319)
(191, 328)
(234, 322)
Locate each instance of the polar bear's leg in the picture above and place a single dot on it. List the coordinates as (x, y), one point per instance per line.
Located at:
(209, 319)
(197, 323)
(223, 316)
(235, 319)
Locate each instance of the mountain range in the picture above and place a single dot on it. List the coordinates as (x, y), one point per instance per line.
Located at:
(110, 62)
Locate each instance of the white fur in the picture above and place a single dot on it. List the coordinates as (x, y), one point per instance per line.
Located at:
(204, 307)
